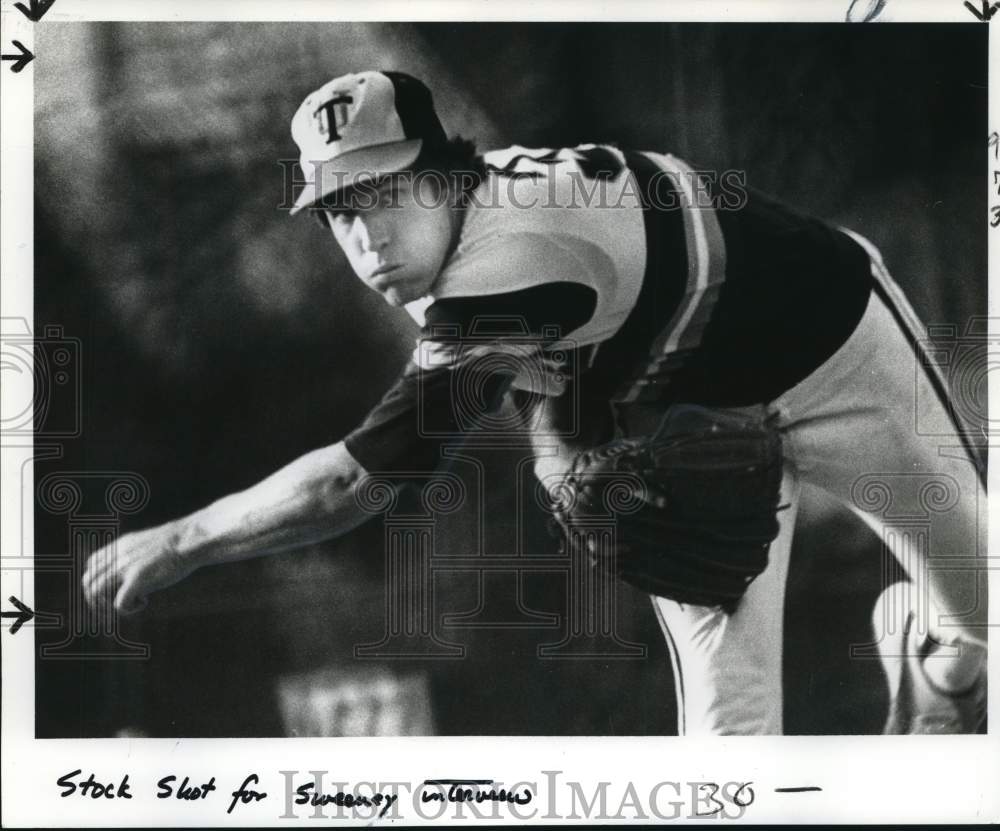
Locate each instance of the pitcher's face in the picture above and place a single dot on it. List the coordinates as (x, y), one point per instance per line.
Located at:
(397, 234)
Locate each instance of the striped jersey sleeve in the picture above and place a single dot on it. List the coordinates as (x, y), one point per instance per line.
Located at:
(423, 411)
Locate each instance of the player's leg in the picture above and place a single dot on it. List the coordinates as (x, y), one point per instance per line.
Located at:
(936, 442)
(728, 668)
(873, 427)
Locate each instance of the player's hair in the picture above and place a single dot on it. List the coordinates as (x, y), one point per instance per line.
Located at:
(457, 158)
(456, 164)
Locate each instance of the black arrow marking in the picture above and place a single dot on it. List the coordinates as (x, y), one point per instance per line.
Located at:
(22, 60)
(987, 11)
(37, 10)
(23, 615)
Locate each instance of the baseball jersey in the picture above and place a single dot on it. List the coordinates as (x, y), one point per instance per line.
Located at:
(661, 282)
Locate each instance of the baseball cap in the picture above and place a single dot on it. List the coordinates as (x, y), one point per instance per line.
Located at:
(360, 126)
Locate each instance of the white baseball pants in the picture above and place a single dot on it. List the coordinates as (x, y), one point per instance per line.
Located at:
(872, 427)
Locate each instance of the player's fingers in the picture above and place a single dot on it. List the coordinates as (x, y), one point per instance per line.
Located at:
(95, 588)
(97, 563)
(93, 580)
(91, 574)
(129, 598)
(90, 567)
(102, 566)
(103, 583)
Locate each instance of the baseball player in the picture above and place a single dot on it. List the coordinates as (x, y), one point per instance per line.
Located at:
(725, 346)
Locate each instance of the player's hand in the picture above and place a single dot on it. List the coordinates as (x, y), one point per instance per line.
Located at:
(134, 566)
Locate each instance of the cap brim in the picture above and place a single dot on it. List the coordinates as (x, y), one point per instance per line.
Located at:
(357, 166)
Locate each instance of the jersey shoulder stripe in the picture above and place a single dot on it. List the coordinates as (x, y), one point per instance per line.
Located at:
(705, 249)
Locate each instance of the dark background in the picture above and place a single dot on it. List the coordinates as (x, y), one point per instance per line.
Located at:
(221, 339)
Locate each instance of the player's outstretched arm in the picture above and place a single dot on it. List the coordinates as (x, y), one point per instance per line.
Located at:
(309, 500)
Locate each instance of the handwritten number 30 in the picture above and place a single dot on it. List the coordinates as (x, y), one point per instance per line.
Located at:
(742, 797)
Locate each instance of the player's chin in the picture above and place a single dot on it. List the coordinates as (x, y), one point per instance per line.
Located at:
(397, 295)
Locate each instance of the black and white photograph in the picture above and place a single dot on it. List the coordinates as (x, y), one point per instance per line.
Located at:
(447, 398)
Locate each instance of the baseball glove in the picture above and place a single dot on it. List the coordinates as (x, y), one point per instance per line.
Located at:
(688, 513)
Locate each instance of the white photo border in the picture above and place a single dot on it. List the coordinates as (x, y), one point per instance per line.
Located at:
(927, 779)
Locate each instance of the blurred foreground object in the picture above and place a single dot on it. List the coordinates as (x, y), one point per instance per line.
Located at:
(345, 701)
